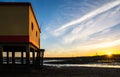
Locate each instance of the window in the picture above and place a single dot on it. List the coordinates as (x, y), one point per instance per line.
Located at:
(36, 34)
(32, 26)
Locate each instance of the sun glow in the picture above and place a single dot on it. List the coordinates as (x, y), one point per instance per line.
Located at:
(109, 54)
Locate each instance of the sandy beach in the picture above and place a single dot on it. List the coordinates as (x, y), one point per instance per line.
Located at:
(66, 72)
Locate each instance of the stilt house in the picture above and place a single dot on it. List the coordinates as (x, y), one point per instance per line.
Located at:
(19, 35)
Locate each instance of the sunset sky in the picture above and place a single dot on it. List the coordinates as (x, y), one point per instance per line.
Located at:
(72, 28)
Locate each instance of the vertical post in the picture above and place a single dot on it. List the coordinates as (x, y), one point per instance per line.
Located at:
(7, 57)
(1, 55)
(33, 54)
(42, 57)
(38, 58)
(22, 58)
(13, 57)
(28, 56)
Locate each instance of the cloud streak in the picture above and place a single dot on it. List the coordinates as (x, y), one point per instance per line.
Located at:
(94, 13)
(102, 45)
(92, 26)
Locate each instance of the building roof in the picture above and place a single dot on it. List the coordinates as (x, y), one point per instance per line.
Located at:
(21, 4)
(15, 3)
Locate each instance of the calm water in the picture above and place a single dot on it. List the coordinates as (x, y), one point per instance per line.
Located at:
(100, 65)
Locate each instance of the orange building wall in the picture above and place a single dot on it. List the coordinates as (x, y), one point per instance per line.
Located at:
(35, 33)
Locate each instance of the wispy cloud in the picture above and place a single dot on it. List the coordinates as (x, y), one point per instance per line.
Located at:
(94, 13)
(102, 45)
(92, 26)
(99, 20)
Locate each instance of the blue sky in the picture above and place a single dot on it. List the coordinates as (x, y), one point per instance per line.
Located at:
(77, 27)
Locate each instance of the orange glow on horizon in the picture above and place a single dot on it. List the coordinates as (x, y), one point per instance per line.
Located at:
(95, 52)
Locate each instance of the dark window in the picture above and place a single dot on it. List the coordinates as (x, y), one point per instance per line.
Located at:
(36, 34)
(32, 26)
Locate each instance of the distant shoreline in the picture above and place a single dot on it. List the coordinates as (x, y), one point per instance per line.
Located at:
(84, 60)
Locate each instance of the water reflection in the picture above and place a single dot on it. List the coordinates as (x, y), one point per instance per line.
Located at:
(100, 65)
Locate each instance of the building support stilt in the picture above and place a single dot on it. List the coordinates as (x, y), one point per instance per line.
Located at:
(7, 57)
(33, 55)
(38, 58)
(13, 57)
(1, 55)
(28, 56)
(42, 52)
(41, 56)
(22, 58)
